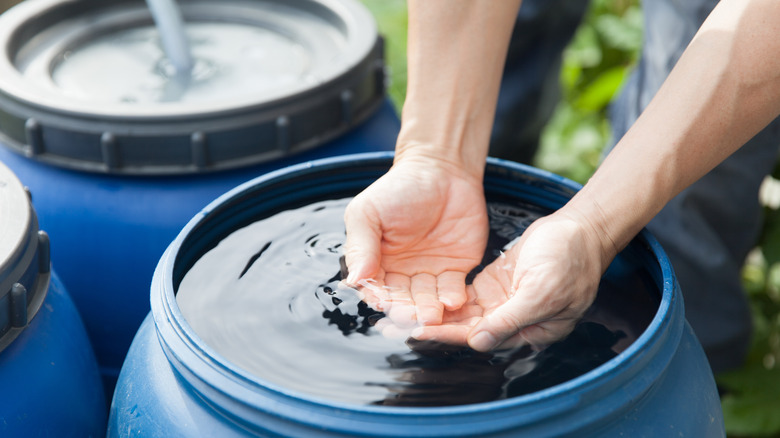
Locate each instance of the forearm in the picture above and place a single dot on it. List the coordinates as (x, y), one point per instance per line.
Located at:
(456, 52)
(724, 89)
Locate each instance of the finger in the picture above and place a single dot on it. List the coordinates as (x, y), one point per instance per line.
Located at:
(518, 318)
(447, 334)
(489, 290)
(495, 328)
(400, 306)
(392, 331)
(426, 300)
(468, 314)
(451, 288)
(374, 293)
(362, 249)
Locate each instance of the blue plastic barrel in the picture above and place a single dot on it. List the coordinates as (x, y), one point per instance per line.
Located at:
(49, 380)
(115, 182)
(174, 384)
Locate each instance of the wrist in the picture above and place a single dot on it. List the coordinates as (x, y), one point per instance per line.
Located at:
(450, 160)
(596, 227)
(446, 135)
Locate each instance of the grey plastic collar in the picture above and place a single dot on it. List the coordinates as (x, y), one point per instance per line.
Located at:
(24, 259)
(175, 138)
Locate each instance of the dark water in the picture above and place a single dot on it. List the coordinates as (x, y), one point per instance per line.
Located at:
(268, 299)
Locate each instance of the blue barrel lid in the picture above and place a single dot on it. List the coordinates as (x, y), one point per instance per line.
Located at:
(24, 259)
(339, 80)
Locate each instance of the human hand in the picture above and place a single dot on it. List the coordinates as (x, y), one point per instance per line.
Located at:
(413, 236)
(533, 294)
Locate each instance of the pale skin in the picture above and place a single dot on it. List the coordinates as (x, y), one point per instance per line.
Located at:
(423, 226)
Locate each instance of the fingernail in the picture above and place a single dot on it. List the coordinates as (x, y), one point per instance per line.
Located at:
(417, 332)
(483, 341)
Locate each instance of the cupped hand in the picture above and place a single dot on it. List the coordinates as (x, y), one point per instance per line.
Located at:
(413, 236)
(533, 294)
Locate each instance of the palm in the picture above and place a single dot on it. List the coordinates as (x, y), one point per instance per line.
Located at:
(431, 228)
(533, 294)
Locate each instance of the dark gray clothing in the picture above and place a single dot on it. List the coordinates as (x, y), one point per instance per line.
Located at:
(709, 228)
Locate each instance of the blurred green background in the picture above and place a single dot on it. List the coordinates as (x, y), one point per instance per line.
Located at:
(597, 61)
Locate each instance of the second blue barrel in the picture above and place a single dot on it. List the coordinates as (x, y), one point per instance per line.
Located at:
(120, 153)
(49, 380)
(648, 378)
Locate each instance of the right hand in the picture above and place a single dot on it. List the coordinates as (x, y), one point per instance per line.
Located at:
(533, 294)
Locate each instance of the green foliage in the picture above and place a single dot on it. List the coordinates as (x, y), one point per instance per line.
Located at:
(751, 411)
(572, 142)
(595, 64)
(392, 22)
(751, 404)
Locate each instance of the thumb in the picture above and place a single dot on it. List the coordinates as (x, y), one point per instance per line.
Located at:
(518, 322)
(362, 249)
(493, 330)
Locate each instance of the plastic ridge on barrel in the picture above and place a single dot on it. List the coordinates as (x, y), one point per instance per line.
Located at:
(346, 107)
(108, 150)
(44, 252)
(283, 133)
(34, 137)
(200, 154)
(18, 305)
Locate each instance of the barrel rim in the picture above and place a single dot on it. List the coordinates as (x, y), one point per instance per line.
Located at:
(215, 378)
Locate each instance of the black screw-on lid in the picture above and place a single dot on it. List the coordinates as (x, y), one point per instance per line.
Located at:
(325, 72)
(24, 259)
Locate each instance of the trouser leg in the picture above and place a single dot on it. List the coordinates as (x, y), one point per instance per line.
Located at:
(530, 85)
(710, 227)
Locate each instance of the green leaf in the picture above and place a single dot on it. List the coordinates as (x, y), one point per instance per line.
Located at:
(597, 95)
(770, 239)
(572, 143)
(754, 273)
(751, 408)
(584, 49)
(622, 33)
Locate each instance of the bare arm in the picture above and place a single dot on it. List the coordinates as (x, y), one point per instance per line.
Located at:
(723, 90)
(419, 230)
(456, 53)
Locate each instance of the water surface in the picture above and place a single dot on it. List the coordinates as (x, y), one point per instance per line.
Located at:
(268, 299)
